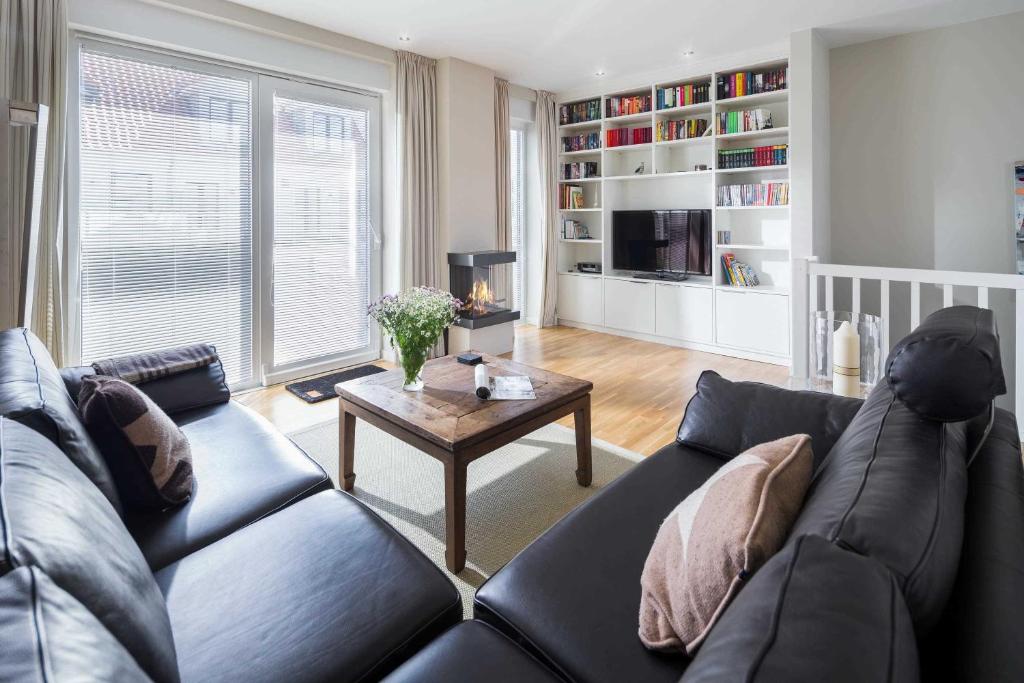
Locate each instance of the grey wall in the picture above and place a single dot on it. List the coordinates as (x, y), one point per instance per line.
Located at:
(924, 130)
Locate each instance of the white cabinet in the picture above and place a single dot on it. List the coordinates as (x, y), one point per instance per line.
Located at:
(753, 321)
(580, 299)
(684, 312)
(629, 305)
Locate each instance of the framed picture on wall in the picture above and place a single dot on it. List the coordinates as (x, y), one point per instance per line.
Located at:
(1018, 213)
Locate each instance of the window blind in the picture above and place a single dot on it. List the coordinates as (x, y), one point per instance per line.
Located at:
(518, 226)
(165, 214)
(321, 230)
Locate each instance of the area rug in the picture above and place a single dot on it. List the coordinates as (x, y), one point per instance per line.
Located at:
(513, 494)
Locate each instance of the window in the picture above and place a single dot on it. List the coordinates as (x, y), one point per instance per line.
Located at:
(518, 226)
(164, 217)
(321, 229)
(169, 169)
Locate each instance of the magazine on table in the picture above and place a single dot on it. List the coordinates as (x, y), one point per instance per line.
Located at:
(511, 388)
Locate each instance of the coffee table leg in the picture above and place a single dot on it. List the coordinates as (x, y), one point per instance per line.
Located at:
(584, 472)
(346, 447)
(455, 516)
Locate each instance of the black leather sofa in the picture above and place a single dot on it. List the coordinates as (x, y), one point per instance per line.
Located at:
(266, 574)
(906, 563)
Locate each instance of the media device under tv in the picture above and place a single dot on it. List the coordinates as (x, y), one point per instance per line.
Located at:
(664, 244)
(588, 267)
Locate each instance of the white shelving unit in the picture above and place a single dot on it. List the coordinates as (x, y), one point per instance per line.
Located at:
(705, 313)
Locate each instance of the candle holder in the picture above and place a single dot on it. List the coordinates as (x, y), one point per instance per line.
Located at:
(869, 329)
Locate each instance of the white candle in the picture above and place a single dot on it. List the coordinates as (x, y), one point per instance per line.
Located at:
(846, 361)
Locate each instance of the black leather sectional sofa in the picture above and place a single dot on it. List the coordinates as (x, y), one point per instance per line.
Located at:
(907, 562)
(266, 574)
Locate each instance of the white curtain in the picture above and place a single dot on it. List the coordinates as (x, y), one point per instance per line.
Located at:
(33, 68)
(503, 185)
(422, 258)
(422, 262)
(547, 153)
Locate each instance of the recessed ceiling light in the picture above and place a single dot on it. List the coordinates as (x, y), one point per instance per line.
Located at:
(404, 38)
(599, 72)
(687, 53)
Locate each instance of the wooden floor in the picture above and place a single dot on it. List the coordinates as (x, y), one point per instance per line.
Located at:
(640, 388)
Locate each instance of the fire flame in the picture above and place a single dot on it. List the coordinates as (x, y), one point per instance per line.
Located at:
(479, 297)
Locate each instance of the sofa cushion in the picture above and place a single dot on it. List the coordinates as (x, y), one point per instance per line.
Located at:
(146, 452)
(470, 652)
(198, 388)
(979, 637)
(572, 596)
(725, 418)
(243, 469)
(323, 590)
(893, 488)
(815, 612)
(717, 537)
(56, 520)
(33, 393)
(47, 635)
(949, 368)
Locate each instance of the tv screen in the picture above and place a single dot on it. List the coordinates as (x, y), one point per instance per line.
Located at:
(662, 240)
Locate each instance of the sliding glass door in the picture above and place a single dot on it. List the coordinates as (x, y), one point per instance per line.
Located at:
(212, 204)
(318, 177)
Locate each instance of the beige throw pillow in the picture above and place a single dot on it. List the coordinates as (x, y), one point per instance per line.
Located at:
(717, 538)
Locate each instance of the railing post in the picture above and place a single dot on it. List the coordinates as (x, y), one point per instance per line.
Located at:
(801, 319)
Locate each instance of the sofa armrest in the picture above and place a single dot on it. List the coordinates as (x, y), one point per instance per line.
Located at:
(725, 418)
(196, 388)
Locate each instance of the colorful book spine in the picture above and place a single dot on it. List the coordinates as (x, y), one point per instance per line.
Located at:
(578, 170)
(619, 137)
(579, 112)
(580, 143)
(680, 130)
(682, 95)
(752, 82)
(624, 106)
(754, 194)
(743, 121)
(570, 197)
(750, 157)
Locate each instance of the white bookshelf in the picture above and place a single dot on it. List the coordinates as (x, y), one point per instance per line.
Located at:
(706, 313)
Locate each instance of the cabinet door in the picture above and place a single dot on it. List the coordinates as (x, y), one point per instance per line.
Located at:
(753, 321)
(629, 305)
(580, 299)
(683, 312)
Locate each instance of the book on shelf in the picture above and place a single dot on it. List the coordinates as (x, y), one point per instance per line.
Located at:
(574, 230)
(747, 157)
(725, 236)
(754, 194)
(618, 137)
(682, 95)
(680, 130)
(626, 105)
(752, 82)
(571, 197)
(582, 142)
(578, 170)
(737, 273)
(744, 121)
(580, 112)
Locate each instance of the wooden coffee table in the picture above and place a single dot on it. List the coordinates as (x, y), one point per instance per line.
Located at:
(447, 421)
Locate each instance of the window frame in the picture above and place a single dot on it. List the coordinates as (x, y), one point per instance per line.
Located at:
(521, 127)
(179, 58)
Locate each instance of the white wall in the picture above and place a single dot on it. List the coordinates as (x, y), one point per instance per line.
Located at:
(467, 161)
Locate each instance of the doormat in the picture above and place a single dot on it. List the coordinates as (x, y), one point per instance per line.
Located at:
(322, 388)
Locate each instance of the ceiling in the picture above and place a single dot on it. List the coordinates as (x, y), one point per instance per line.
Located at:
(561, 45)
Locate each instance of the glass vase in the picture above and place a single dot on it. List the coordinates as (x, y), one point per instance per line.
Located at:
(869, 330)
(412, 361)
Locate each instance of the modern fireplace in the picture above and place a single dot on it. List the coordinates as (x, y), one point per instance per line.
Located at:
(481, 279)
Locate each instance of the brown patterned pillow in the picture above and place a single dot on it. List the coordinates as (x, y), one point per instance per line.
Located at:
(717, 538)
(148, 455)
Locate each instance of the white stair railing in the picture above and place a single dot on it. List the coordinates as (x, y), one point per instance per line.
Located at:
(810, 275)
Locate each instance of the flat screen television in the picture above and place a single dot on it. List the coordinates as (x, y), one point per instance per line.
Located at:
(671, 241)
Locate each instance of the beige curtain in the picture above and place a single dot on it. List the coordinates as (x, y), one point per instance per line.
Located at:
(33, 68)
(422, 258)
(547, 152)
(502, 183)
